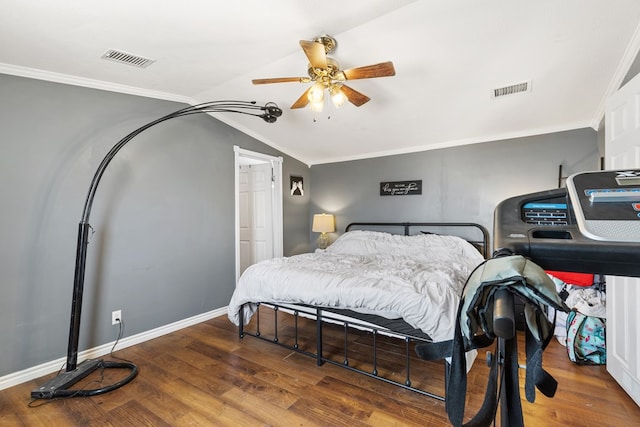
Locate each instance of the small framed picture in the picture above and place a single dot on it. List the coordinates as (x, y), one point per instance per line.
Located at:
(296, 186)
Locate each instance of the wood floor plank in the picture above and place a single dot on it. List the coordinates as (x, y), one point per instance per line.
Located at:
(364, 399)
(146, 391)
(264, 410)
(329, 412)
(136, 414)
(208, 406)
(277, 358)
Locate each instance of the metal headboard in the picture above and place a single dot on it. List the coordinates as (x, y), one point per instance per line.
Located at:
(406, 226)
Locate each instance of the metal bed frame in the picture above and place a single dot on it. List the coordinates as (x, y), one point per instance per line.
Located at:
(321, 315)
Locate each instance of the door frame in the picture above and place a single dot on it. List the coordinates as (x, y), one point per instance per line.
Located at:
(276, 200)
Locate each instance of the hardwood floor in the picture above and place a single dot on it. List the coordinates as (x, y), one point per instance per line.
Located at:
(205, 375)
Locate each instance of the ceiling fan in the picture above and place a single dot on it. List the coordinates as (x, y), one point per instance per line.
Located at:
(326, 74)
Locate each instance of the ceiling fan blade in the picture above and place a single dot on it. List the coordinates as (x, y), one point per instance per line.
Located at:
(281, 80)
(315, 53)
(383, 69)
(302, 101)
(354, 97)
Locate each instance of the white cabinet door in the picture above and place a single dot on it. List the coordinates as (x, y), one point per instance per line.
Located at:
(622, 151)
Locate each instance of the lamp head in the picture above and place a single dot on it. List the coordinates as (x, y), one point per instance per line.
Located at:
(271, 112)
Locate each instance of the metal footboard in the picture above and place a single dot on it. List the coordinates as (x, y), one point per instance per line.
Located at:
(349, 325)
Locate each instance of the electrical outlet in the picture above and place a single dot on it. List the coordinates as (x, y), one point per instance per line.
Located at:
(116, 317)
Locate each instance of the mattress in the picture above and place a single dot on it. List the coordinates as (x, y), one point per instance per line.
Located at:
(418, 279)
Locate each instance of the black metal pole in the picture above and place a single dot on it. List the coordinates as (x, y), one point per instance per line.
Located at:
(76, 302)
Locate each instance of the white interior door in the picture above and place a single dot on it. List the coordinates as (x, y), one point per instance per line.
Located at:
(258, 189)
(622, 151)
(256, 214)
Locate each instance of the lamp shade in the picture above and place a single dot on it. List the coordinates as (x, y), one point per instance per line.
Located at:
(323, 223)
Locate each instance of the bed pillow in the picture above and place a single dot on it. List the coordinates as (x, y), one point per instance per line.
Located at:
(431, 247)
(358, 242)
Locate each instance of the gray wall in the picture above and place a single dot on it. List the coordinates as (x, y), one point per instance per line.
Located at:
(163, 247)
(459, 184)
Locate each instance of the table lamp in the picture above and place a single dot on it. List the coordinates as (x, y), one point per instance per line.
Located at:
(323, 224)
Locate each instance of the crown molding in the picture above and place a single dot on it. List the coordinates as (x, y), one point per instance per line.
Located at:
(37, 74)
(460, 142)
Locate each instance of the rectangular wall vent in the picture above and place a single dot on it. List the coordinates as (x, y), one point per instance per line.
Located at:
(511, 90)
(127, 58)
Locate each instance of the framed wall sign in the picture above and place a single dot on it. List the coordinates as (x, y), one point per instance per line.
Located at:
(401, 188)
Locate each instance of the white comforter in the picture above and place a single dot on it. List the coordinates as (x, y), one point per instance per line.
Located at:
(418, 278)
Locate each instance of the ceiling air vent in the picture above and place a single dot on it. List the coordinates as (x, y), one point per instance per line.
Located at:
(127, 58)
(511, 90)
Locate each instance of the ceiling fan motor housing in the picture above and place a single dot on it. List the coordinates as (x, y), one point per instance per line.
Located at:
(332, 72)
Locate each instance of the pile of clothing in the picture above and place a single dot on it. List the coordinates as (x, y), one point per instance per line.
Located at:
(587, 298)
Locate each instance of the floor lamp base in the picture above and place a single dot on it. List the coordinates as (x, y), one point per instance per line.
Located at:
(59, 386)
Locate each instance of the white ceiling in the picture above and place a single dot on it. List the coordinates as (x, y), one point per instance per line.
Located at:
(448, 55)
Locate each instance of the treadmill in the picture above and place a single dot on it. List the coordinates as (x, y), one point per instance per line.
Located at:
(592, 226)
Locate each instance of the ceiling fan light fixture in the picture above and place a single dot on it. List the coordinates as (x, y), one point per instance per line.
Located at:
(317, 106)
(316, 93)
(338, 98)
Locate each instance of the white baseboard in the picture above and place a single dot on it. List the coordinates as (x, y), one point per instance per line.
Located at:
(55, 365)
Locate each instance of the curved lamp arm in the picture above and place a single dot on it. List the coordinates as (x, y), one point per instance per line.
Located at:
(269, 113)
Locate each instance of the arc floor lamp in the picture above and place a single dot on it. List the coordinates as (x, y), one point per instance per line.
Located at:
(59, 385)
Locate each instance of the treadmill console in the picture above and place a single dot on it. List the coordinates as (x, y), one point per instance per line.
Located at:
(548, 212)
(607, 204)
(592, 226)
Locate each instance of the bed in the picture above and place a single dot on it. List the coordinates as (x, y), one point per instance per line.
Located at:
(372, 280)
